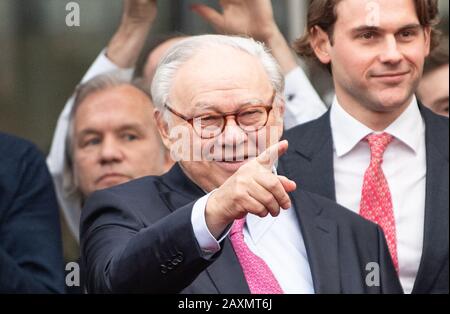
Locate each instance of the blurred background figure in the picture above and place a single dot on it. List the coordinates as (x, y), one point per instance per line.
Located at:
(111, 138)
(433, 89)
(30, 240)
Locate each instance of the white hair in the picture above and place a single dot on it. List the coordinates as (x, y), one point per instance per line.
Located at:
(186, 49)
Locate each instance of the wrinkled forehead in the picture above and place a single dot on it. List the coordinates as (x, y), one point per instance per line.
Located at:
(220, 74)
(118, 104)
(124, 94)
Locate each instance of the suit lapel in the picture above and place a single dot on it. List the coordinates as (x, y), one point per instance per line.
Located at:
(226, 273)
(321, 242)
(181, 190)
(435, 247)
(309, 160)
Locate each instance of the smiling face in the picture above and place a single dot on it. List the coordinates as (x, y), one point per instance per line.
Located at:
(115, 139)
(376, 67)
(215, 81)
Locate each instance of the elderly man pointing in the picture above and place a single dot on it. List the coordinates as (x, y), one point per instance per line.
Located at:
(222, 220)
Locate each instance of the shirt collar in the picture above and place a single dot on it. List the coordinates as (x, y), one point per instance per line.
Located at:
(348, 132)
(258, 226)
(409, 128)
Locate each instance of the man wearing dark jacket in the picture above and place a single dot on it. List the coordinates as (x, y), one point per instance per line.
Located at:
(378, 151)
(30, 240)
(222, 220)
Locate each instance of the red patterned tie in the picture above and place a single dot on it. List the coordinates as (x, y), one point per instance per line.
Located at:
(260, 278)
(376, 201)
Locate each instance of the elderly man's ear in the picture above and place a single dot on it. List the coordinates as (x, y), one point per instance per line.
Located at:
(163, 128)
(279, 108)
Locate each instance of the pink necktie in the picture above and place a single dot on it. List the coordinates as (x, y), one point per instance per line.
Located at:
(260, 278)
(376, 201)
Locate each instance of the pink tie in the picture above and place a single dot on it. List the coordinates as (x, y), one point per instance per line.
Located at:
(376, 201)
(260, 278)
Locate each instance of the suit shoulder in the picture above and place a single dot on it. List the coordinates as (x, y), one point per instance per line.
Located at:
(437, 130)
(341, 214)
(124, 202)
(441, 122)
(142, 188)
(21, 163)
(304, 128)
(18, 148)
(308, 135)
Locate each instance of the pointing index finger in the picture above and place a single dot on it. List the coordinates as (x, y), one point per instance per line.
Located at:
(270, 155)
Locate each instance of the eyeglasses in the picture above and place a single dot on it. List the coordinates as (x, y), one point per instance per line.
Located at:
(251, 118)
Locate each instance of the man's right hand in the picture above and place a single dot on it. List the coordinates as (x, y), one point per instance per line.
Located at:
(137, 19)
(252, 189)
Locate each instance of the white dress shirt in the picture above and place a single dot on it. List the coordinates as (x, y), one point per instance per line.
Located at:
(405, 170)
(277, 240)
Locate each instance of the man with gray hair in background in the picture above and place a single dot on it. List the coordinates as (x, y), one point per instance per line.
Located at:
(225, 222)
(112, 137)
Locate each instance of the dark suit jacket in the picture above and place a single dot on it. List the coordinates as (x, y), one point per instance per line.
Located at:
(30, 240)
(138, 238)
(309, 162)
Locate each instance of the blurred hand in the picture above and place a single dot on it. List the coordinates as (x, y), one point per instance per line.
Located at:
(139, 11)
(252, 189)
(126, 44)
(253, 18)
